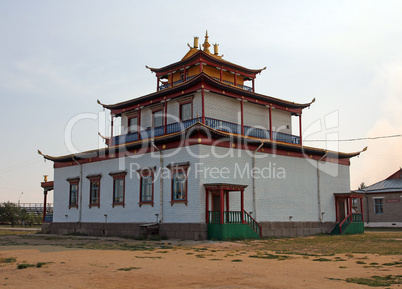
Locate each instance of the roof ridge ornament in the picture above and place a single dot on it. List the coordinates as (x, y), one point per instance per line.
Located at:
(206, 44)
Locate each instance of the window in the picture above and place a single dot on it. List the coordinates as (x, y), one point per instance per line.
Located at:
(186, 111)
(157, 117)
(73, 198)
(119, 179)
(94, 190)
(179, 182)
(146, 186)
(133, 124)
(378, 206)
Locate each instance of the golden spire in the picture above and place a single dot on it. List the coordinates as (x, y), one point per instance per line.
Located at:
(206, 44)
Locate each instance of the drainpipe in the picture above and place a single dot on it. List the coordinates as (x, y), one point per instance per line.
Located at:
(254, 193)
(79, 192)
(318, 187)
(161, 182)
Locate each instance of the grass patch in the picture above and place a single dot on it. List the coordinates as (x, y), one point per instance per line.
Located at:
(393, 263)
(322, 260)
(237, 260)
(8, 260)
(129, 268)
(200, 256)
(215, 259)
(148, 257)
(360, 262)
(382, 243)
(377, 281)
(265, 255)
(25, 265)
(339, 259)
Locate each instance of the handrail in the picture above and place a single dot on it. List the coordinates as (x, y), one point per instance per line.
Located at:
(351, 218)
(253, 223)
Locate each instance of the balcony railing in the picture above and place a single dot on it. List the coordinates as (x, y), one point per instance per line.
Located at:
(167, 85)
(211, 122)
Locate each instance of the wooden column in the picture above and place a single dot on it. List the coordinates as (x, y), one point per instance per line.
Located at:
(203, 105)
(336, 210)
(207, 206)
(165, 118)
(349, 205)
(222, 205)
(157, 83)
(242, 117)
(184, 74)
(139, 123)
(270, 122)
(235, 79)
(227, 206)
(253, 84)
(300, 128)
(171, 79)
(361, 208)
(242, 205)
(111, 130)
(44, 204)
(221, 73)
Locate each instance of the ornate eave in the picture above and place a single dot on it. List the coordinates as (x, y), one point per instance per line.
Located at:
(196, 83)
(192, 131)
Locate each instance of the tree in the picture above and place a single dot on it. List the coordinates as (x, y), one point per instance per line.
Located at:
(362, 186)
(10, 213)
(27, 217)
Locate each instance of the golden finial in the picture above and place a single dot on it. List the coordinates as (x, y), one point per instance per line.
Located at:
(195, 41)
(45, 178)
(206, 44)
(216, 48)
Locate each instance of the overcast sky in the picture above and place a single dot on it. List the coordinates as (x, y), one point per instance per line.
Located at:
(58, 57)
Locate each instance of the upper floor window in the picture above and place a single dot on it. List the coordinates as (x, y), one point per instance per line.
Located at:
(94, 190)
(133, 124)
(186, 111)
(118, 187)
(179, 182)
(157, 118)
(146, 187)
(378, 206)
(73, 197)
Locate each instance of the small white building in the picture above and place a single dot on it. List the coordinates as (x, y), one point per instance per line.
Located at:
(204, 156)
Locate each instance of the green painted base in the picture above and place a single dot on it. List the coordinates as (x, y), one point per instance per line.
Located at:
(354, 228)
(231, 231)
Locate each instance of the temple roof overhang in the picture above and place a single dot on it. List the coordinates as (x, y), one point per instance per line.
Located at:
(191, 134)
(194, 57)
(203, 80)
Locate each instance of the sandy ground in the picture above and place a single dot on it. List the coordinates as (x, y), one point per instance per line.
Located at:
(205, 265)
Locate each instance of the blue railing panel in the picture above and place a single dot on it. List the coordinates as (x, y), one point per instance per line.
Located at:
(223, 125)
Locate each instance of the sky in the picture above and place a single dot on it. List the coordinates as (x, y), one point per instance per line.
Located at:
(58, 57)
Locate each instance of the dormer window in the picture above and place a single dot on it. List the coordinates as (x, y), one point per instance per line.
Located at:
(186, 111)
(157, 118)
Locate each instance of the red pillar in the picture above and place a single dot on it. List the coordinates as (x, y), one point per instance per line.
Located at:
(222, 205)
(184, 74)
(165, 117)
(111, 132)
(139, 123)
(300, 128)
(171, 79)
(361, 208)
(44, 204)
(227, 206)
(200, 66)
(349, 205)
(253, 84)
(203, 105)
(157, 83)
(221, 73)
(242, 205)
(242, 117)
(270, 122)
(336, 209)
(235, 79)
(207, 206)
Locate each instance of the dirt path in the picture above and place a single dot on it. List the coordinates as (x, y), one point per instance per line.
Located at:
(199, 265)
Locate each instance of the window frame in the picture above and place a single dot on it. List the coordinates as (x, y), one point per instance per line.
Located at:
(92, 180)
(129, 127)
(380, 206)
(118, 176)
(181, 104)
(142, 174)
(176, 169)
(73, 182)
(153, 117)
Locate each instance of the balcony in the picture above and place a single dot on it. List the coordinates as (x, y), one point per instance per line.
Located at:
(211, 122)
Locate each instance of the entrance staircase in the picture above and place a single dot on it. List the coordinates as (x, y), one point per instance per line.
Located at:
(235, 225)
(352, 224)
